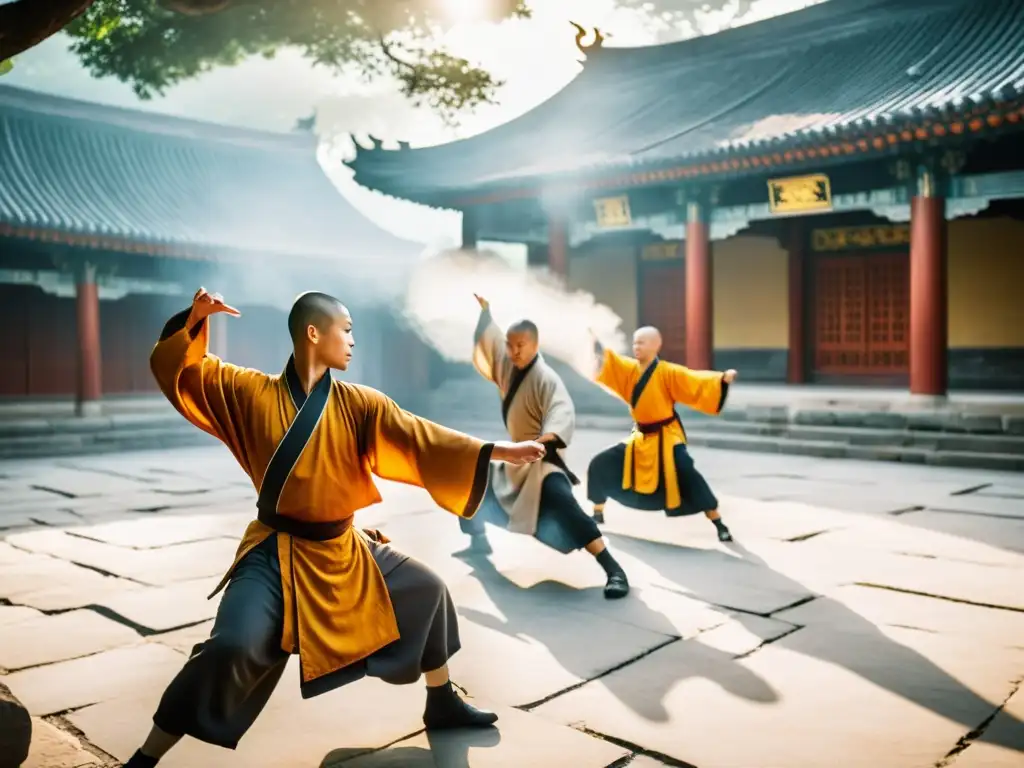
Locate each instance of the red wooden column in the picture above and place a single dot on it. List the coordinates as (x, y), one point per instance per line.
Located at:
(87, 300)
(796, 367)
(558, 246)
(699, 302)
(929, 369)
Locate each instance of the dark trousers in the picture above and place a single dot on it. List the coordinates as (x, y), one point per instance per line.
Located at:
(229, 678)
(561, 523)
(604, 481)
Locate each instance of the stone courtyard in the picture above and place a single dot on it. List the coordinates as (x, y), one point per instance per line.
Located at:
(867, 615)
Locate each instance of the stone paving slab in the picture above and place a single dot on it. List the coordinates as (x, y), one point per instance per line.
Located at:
(49, 584)
(159, 609)
(851, 607)
(696, 702)
(155, 532)
(104, 676)
(291, 731)
(49, 639)
(53, 748)
(903, 536)
(522, 740)
(979, 504)
(15, 614)
(157, 567)
(539, 645)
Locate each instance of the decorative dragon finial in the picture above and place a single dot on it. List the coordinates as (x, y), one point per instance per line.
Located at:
(582, 33)
(404, 145)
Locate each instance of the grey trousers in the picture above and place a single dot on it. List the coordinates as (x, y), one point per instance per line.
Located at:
(229, 678)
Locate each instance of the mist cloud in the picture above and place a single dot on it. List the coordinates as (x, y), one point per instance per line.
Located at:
(440, 307)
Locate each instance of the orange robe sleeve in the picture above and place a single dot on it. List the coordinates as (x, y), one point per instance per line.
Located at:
(704, 391)
(617, 374)
(449, 465)
(213, 395)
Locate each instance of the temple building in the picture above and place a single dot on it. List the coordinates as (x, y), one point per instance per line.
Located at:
(110, 219)
(830, 196)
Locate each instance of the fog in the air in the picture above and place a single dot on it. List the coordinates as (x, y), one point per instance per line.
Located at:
(439, 305)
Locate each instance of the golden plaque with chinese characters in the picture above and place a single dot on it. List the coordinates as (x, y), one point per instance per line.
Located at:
(800, 194)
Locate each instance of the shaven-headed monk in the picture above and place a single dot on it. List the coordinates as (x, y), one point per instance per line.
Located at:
(652, 469)
(536, 500)
(304, 579)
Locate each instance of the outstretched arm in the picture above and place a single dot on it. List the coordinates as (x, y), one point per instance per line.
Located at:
(449, 465)
(704, 391)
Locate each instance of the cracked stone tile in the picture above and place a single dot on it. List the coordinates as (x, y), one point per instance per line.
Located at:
(1002, 743)
(157, 566)
(49, 639)
(53, 748)
(911, 691)
(716, 576)
(76, 483)
(184, 639)
(77, 683)
(160, 609)
(50, 584)
(156, 532)
(290, 732)
(852, 607)
(521, 739)
(744, 634)
(543, 647)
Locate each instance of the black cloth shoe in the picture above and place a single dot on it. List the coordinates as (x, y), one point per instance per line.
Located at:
(617, 586)
(723, 532)
(599, 516)
(139, 760)
(446, 710)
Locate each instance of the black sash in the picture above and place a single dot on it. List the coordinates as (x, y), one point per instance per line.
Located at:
(551, 457)
(645, 378)
(310, 409)
(518, 376)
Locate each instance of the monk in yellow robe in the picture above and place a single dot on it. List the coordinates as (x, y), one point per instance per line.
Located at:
(652, 469)
(304, 580)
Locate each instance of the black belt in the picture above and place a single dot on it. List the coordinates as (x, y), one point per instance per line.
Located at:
(551, 456)
(302, 529)
(656, 426)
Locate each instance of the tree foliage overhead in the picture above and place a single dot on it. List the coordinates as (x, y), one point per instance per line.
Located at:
(153, 45)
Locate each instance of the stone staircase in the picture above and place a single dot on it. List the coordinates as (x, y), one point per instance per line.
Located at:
(954, 438)
(991, 438)
(39, 437)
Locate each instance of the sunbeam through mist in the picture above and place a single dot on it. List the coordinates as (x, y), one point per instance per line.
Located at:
(440, 306)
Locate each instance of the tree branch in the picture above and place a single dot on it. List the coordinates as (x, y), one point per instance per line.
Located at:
(26, 23)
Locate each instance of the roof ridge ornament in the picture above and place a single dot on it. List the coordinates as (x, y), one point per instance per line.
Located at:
(581, 33)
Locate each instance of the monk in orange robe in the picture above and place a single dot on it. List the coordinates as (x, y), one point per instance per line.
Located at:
(652, 469)
(304, 580)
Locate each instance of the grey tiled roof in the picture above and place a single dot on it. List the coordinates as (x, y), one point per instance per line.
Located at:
(817, 72)
(166, 184)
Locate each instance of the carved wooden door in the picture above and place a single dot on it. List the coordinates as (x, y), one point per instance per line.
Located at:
(663, 305)
(861, 307)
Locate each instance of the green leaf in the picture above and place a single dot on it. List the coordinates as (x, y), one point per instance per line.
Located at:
(6, 66)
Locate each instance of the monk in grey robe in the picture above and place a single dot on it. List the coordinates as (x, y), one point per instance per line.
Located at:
(537, 501)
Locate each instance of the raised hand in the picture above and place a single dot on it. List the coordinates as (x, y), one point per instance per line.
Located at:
(729, 376)
(484, 304)
(205, 304)
(525, 452)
